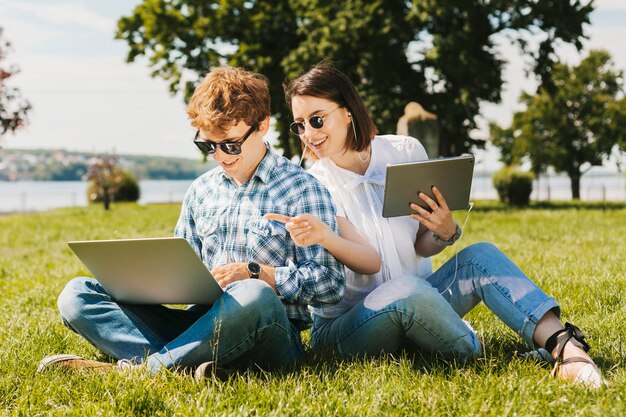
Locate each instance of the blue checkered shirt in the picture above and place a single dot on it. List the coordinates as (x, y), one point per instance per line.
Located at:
(224, 223)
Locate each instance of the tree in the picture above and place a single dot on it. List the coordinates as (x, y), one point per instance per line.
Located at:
(192, 36)
(578, 120)
(13, 108)
(110, 182)
(440, 53)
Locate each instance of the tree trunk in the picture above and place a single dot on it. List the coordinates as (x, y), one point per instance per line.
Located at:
(445, 145)
(106, 199)
(574, 177)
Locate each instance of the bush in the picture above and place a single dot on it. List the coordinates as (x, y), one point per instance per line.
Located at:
(513, 185)
(127, 189)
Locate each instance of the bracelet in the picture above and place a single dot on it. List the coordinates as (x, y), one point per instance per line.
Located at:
(457, 234)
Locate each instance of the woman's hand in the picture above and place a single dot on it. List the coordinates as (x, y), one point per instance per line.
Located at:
(438, 221)
(305, 229)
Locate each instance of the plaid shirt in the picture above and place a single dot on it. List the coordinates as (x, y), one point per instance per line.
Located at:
(224, 223)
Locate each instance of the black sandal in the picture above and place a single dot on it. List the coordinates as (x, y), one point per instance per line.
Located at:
(587, 375)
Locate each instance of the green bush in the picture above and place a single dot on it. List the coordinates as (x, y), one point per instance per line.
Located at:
(126, 189)
(513, 185)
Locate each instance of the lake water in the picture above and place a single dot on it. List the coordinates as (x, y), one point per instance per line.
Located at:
(45, 195)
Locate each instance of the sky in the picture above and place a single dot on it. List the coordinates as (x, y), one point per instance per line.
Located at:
(85, 96)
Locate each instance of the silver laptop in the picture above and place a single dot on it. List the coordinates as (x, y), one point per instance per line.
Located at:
(149, 271)
(452, 176)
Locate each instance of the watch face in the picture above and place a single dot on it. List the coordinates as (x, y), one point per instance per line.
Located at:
(254, 268)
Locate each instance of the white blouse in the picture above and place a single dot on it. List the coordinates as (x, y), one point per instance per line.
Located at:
(359, 198)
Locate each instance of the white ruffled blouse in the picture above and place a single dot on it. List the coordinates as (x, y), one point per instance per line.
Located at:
(359, 198)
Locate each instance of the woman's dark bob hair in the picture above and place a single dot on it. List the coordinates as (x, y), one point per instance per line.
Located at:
(326, 81)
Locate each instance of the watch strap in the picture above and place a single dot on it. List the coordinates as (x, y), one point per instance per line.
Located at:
(457, 234)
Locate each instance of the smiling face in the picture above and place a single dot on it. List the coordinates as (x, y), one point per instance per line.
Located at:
(240, 167)
(329, 141)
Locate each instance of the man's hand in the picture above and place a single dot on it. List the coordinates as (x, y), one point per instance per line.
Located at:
(229, 273)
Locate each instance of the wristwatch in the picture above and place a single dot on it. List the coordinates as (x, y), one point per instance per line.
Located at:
(254, 269)
(439, 241)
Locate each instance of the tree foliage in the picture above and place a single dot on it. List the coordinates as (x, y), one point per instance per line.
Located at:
(440, 53)
(578, 121)
(108, 181)
(13, 108)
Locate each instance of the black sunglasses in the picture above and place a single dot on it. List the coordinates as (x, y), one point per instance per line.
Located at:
(208, 147)
(316, 122)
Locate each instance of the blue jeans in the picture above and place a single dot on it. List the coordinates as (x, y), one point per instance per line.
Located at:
(427, 313)
(248, 325)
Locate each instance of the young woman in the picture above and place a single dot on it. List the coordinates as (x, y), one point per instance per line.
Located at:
(406, 301)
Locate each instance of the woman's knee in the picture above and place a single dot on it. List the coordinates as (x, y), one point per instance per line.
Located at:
(400, 291)
(413, 299)
(482, 250)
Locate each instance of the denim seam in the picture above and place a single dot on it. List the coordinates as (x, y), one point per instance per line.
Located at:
(256, 335)
(545, 306)
(376, 314)
(527, 314)
(91, 284)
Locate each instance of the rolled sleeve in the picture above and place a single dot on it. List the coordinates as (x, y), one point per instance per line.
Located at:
(311, 283)
(316, 278)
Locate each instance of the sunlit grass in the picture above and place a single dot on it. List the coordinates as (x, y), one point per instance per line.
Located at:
(576, 255)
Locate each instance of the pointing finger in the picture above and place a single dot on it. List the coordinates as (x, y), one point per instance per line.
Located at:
(278, 217)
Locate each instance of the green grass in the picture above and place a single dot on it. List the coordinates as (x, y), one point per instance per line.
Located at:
(576, 254)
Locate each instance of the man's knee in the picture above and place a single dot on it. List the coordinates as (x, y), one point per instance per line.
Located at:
(256, 298)
(71, 301)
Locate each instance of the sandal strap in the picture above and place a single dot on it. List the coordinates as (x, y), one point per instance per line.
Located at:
(574, 359)
(559, 339)
(578, 335)
(567, 361)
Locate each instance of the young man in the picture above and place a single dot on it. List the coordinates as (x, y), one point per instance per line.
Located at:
(268, 281)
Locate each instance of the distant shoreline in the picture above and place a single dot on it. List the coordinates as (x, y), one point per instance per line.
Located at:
(62, 165)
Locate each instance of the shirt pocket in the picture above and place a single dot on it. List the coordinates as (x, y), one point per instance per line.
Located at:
(208, 229)
(267, 242)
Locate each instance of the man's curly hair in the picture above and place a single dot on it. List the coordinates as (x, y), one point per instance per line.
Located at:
(228, 96)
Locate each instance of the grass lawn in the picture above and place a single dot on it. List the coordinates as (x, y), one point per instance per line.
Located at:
(575, 254)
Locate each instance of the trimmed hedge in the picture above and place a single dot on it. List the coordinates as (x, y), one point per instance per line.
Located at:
(514, 186)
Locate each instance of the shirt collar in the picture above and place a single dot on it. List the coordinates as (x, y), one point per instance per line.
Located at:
(263, 170)
(266, 166)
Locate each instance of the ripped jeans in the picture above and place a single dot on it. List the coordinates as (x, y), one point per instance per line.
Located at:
(428, 313)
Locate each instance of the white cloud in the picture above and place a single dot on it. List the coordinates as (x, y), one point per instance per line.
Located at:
(100, 104)
(610, 4)
(63, 13)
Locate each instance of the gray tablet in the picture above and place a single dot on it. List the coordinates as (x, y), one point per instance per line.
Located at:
(452, 176)
(149, 271)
